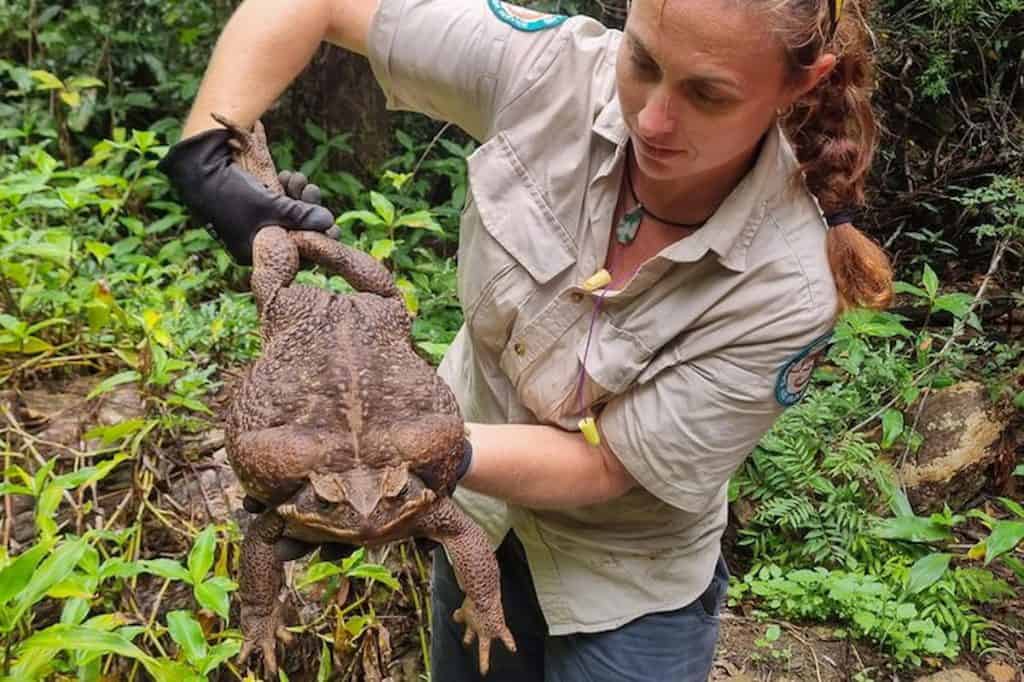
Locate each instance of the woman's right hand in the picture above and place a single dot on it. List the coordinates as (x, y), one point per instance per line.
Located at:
(234, 202)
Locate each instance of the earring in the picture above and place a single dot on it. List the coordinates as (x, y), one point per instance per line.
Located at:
(784, 113)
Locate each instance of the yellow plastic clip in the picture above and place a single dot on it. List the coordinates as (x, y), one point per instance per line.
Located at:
(598, 280)
(588, 427)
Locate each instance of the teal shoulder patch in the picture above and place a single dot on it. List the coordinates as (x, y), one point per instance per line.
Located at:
(531, 21)
(795, 375)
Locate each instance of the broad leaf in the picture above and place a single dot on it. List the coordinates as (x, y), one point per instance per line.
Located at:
(383, 206)
(911, 529)
(926, 571)
(1005, 536)
(111, 382)
(166, 568)
(213, 595)
(200, 558)
(892, 427)
(186, 631)
(15, 576)
(54, 569)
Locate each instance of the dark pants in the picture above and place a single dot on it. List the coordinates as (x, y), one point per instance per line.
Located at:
(670, 646)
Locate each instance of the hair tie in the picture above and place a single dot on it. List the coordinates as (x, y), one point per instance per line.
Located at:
(839, 217)
(835, 10)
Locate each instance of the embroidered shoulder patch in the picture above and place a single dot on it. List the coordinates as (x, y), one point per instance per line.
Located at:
(795, 375)
(524, 19)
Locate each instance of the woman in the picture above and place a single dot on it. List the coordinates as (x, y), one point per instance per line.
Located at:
(645, 271)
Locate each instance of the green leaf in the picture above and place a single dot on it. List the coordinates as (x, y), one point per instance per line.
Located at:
(53, 570)
(166, 568)
(957, 304)
(930, 281)
(911, 529)
(80, 638)
(213, 595)
(70, 97)
(99, 250)
(1005, 536)
(112, 382)
(219, 654)
(383, 206)
(382, 248)
(374, 572)
(368, 217)
(118, 567)
(88, 475)
(323, 673)
(772, 633)
(1018, 402)
(187, 632)
(74, 611)
(46, 80)
(906, 288)
(315, 131)
(117, 432)
(926, 571)
(1019, 471)
(15, 576)
(14, 489)
(76, 585)
(143, 139)
(1013, 506)
(412, 299)
(200, 558)
(82, 82)
(892, 427)
(420, 219)
(317, 572)
(906, 611)
(865, 619)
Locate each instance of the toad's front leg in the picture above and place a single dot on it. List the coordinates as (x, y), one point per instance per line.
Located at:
(262, 577)
(476, 571)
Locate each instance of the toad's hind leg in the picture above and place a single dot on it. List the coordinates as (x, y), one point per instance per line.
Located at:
(359, 269)
(476, 571)
(275, 260)
(261, 581)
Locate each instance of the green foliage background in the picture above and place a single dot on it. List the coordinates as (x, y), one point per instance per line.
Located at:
(103, 274)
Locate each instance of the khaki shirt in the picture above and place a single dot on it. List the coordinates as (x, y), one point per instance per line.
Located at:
(689, 361)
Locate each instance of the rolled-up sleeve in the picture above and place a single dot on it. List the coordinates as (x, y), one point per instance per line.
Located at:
(454, 60)
(682, 434)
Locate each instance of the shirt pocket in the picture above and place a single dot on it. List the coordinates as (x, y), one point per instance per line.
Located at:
(511, 243)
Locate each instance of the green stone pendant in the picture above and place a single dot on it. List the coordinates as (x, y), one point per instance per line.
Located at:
(625, 233)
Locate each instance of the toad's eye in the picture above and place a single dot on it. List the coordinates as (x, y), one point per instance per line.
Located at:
(323, 504)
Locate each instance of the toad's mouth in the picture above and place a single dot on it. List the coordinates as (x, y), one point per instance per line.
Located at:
(341, 522)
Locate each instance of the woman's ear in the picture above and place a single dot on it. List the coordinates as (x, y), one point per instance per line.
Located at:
(812, 76)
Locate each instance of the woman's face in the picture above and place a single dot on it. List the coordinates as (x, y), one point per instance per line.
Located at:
(699, 82)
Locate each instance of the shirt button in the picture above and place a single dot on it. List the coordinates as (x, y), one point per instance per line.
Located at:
(576, 297)
(519, 348)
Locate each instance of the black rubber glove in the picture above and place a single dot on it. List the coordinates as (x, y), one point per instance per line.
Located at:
(234, 202)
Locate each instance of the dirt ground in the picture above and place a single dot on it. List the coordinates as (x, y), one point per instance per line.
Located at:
(815, 654)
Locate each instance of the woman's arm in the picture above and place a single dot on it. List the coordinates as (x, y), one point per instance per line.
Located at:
(264, 47)
(542, 467)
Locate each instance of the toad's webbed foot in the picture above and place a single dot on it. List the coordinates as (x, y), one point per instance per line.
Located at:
(262, 630)
(483, 626)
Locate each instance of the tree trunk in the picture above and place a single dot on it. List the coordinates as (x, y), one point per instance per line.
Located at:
(337, 92)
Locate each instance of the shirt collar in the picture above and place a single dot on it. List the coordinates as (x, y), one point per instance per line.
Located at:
(731, 229)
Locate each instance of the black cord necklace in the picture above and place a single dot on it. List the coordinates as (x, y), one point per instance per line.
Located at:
(628, 226)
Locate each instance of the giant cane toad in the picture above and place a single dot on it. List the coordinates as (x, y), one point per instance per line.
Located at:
(341, 429)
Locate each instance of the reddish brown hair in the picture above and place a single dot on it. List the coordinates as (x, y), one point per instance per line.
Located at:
(833, 131)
